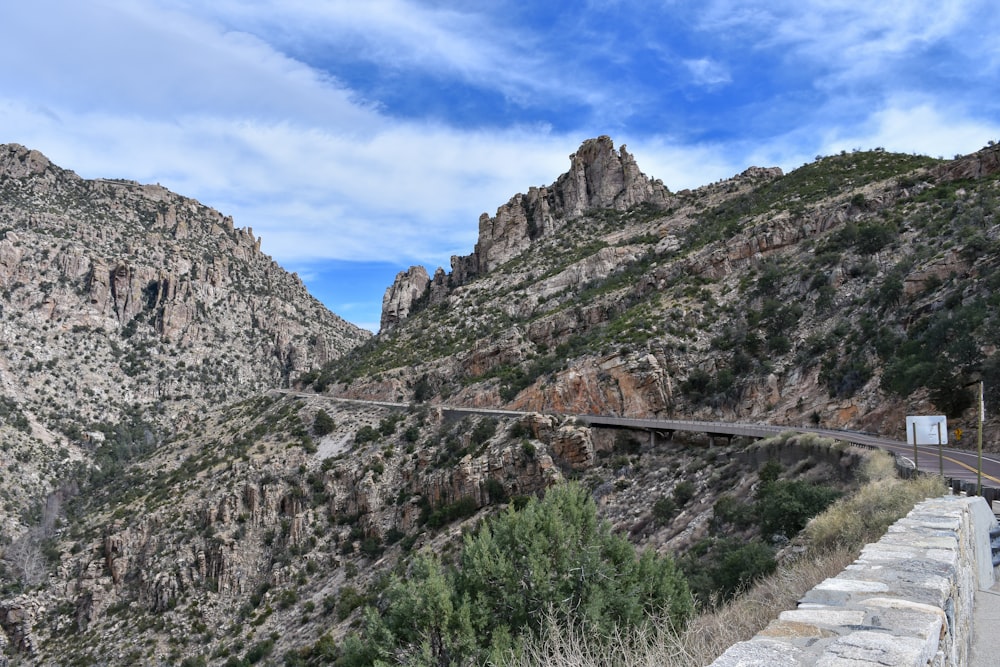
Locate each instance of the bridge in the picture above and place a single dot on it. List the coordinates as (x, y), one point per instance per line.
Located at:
(926, 593)
(958, 465)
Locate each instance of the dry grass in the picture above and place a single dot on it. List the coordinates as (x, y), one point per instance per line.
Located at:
(704, 639)
(834, 540)
(864, 516)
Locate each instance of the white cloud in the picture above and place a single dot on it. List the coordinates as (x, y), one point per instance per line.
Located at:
(97, 57)
(472, 43)
(159, 96)
(208, 100)
(917, 126)
(707, 72)
(408, 190)
(851, 42)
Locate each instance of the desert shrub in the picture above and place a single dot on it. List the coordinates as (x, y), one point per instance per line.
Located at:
(844, 377)
(483, 431)
(460, 509)
(387, 426)
(496, 490)
(865, 516)
(349, 600)
(730, 510)
(366, 434)
(703, 639)
(323, 423)
(422, 389)
(553, 556)
(873, 237)
(664, 510)
(784, 506)
(683, 492)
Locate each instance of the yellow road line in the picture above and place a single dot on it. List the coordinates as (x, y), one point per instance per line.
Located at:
(968, 467)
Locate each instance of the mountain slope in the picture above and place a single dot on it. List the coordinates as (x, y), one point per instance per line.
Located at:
(849, 292)
(221, 531)
(123, 299)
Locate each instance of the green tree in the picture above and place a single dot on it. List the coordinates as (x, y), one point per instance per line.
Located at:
(556, 555)
(719, 568)
(323, 423)
(424, 615)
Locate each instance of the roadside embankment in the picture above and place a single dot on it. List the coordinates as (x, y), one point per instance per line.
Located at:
(907, 600)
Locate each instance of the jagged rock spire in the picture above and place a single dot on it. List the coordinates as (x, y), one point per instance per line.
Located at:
(599, 177)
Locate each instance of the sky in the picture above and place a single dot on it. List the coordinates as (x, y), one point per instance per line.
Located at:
(360, 137)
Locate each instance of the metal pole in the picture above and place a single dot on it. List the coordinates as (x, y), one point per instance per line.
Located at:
(940, 451)
(916, 466)
(979, 445)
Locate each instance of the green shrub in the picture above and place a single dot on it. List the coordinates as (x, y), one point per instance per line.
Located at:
(664, 510)
(366, 434)
(528, 449)
(784, 506)
(718, 569)
(683, 492)
(552, 557)
(483, 431)
(323, 423)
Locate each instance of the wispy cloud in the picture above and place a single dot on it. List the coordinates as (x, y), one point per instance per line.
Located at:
(845, 42)
(381, 130)
(918, 126)
(473, 43)
(707, 72)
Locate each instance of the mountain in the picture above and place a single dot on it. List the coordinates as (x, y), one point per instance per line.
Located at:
(191, 474)
(850, 292)
(122, 300)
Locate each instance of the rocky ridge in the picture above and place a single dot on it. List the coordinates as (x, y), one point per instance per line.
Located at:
(120, 297)
(256, 531)
(598, 178)
(785, 297)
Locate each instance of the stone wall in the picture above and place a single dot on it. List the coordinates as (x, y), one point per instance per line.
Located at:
(907, 600)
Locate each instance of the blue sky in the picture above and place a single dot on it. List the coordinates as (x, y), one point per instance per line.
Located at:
(358, 138)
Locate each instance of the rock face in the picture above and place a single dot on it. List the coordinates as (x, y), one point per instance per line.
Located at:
(119, 297)
(116, 257)
(400, 297)
(980, 164)
(599, 177)
(787, 298)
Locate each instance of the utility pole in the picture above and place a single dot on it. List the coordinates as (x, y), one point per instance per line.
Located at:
(979, 444)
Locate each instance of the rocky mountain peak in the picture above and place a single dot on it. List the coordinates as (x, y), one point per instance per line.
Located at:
(599, 177)
(399, 297)
(16, 161)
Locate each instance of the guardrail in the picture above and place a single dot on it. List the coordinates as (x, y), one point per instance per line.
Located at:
(898, 448)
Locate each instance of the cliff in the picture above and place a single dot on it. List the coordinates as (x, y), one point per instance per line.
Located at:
(826, 295)
(599, 177)
(119, 298)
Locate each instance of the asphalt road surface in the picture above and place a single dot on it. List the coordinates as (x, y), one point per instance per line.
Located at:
(958, 464)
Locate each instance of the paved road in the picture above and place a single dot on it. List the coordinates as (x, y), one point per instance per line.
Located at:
(957, 463)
